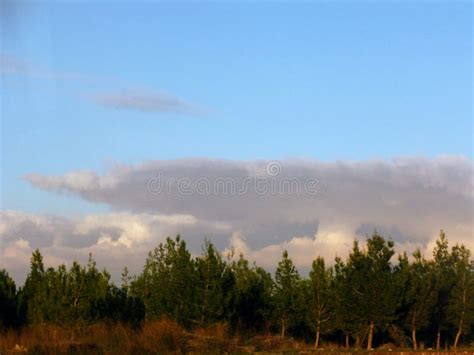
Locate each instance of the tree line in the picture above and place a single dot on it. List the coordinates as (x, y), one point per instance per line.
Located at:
(362, 301)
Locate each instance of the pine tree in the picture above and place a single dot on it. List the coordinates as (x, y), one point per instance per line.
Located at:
(321, 295)
(287, 288)
(401, 279)
(86, 287)
(8, 301)
(34, 293)
(461, 301)
(168, 282)
(214, 285)
(420, 296)
(381, 297)
(252, 299)
(56, 309)
(345, 317)
(368, 278)
(444, 275)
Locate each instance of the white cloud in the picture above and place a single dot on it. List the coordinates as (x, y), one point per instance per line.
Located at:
(22, 244)
(115, 239)
(302, 249)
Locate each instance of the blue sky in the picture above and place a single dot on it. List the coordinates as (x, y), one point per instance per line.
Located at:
(327, 81)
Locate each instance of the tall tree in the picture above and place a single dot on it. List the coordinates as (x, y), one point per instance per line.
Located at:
(214, 285)
(444, 275)
(57, 306)
(321, 296)
(461, 302)
(86, 287)
(345, 318)
(370, 284)
(420, 296)
(168, 282)
(287, 288)
(34, 293)
(8, 301)
(252, 300)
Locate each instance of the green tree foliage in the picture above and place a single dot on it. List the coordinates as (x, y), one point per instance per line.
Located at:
(400, 325)
(120, 306)
(461, 300)
(8, 301)
(214, 286)
(321, 315)
(420, 297)
(167, 285)
(252, 297)
(344, 316)
(86, 286)
(445, 280)
(287, 294)
(35, 291)
(362, 300)
(61, 296)
(367, 285)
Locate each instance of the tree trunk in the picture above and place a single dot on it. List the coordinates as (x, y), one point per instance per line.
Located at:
(438, 340)
(458, 334)
(461, 321)
(316, 342)
(357, 342)
(347, 341)
(413, 332)
(413, 338)
(204, 303)
(371, 335)
(283, 326)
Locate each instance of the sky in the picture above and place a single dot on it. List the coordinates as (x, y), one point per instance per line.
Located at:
(374, 100)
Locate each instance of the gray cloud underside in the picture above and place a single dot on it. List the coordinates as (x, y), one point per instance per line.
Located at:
(415, 195)
(410, 199)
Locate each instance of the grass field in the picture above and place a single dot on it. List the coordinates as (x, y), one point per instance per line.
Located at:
(166, 336)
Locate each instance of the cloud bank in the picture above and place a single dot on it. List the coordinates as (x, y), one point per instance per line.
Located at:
(409, 199)
(115, 239)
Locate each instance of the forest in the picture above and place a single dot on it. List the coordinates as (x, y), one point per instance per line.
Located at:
(368, 300)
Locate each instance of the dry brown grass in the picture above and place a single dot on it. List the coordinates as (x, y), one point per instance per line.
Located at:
(274, 343)
(163, 335)
(212, 339)
(160, 336)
